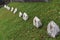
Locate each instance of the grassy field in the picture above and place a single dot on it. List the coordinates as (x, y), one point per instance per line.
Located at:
(14, 28)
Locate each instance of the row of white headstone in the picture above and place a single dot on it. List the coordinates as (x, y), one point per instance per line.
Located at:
(12, 9)
(52, 28)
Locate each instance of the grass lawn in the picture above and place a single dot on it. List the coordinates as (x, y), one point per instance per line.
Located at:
(14, 28)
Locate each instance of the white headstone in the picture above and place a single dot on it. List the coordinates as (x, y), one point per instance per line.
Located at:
(8, 8)
(5, 6)
(20, 14)
(25, 16)
(15, 10)
(53, 29)
(37, 22)
(12, 9)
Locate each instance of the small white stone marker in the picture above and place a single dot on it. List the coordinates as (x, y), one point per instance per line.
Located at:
(25, 16)
(15, 10)
(5, 6)
(20, 14)
(8, 8)
(12, 9)
(37, 22)
(53, 29)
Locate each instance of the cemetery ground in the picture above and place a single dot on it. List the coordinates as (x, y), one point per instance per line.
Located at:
(14, 28)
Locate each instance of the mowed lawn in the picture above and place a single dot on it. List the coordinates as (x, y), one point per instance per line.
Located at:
(14, 28)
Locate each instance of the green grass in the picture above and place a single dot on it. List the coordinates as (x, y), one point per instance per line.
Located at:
(14, 28)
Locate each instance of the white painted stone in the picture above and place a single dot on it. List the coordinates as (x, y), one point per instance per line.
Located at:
(53, 29)
(12, 9)
(8, 8)
(15, 10)
(20, 14)
(5, 6)
(37, 22)
(25, 16)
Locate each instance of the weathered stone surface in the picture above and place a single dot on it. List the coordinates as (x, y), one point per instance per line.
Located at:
(37, 22)
(53, 29)
(25, 16)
